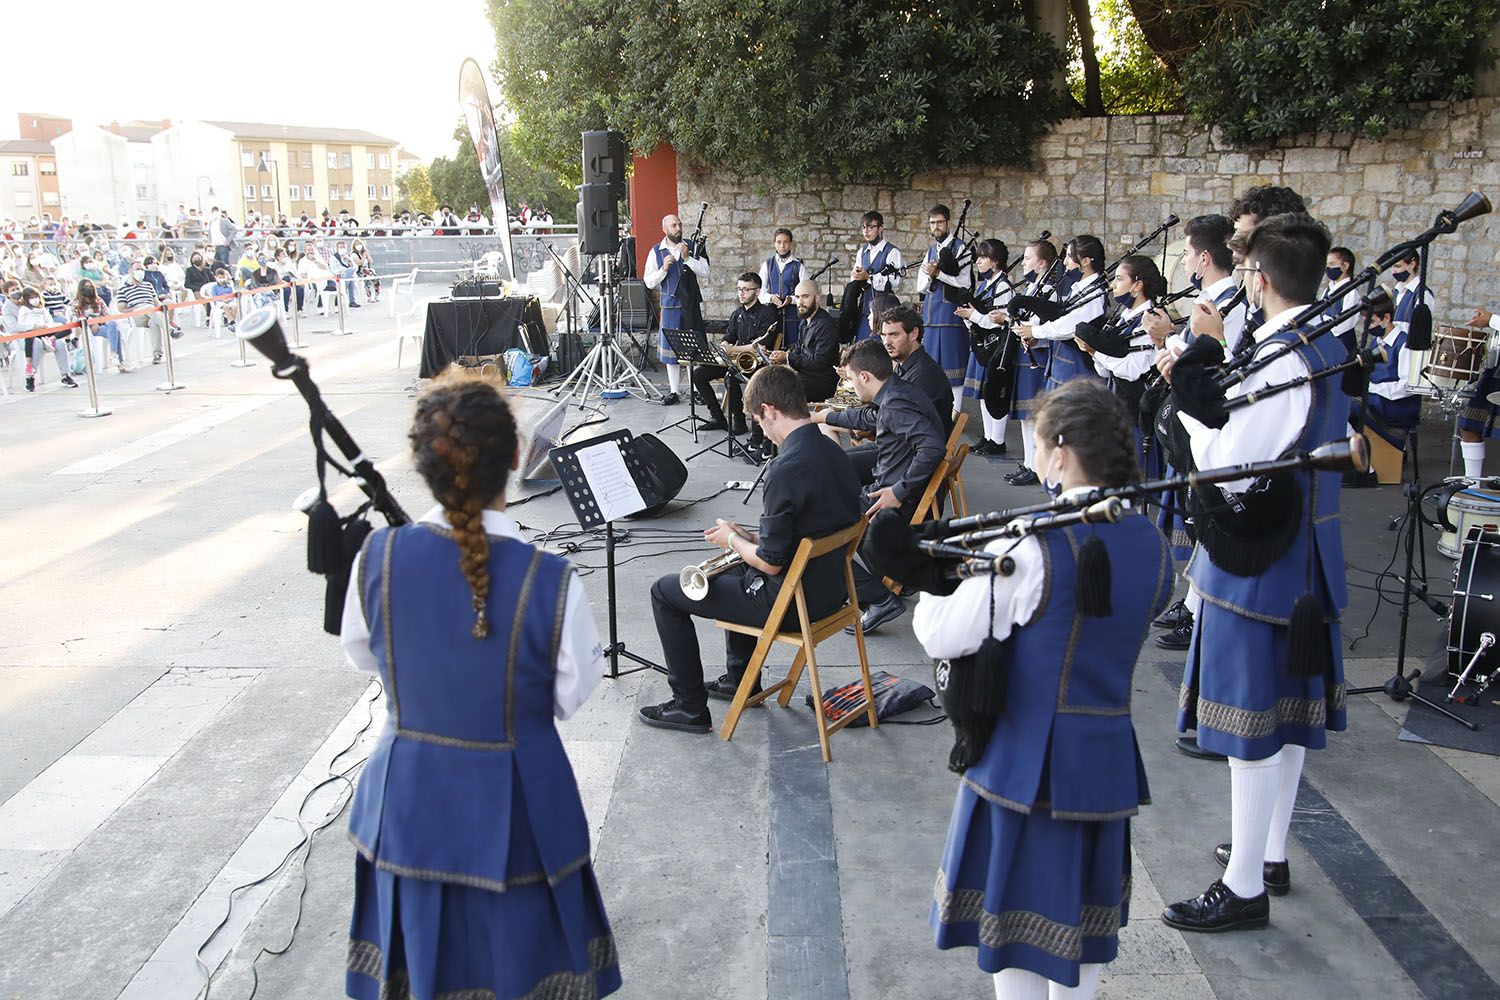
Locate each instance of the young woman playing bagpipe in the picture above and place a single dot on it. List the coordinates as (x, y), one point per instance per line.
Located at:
(993, 348)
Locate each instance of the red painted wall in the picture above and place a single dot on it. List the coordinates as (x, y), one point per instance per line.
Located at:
(653, 193)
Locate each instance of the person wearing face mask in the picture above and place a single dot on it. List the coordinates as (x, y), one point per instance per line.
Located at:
(946, 338)
(992, 291)
(30, 313)
(1041, 279)
(1040, 831)
(197, 275)
(1390, 409)
(158, 282)
(138, 293)
(1340, 275)
(677, 271)
(1137, 284)
(1085, 254)
(87, 302)
(1263, 682)
(872, 259)
(779, 277)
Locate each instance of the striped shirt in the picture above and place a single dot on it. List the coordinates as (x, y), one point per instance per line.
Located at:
(136, 295)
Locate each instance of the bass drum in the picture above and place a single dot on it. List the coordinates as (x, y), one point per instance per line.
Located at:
(1476, 603)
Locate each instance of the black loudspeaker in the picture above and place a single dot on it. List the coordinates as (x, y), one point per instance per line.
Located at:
(604, 161)
(598, 219)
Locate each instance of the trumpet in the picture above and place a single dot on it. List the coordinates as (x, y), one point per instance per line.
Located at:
(745, 361)
(694, 579)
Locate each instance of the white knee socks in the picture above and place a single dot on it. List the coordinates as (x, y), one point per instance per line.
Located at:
(674, 377)
(1029, 444)
(1022, 984)
(1253, 789)
(1473, 452)
(958, 399)
(1292, 757)
(994, 430)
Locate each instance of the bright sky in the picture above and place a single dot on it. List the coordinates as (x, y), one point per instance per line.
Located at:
(384, 67)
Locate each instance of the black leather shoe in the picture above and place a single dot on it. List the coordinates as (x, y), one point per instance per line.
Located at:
(878, 614)
(1175, 615)
(725, 688)
(1025, 477)
(1189, 745)
(671, 399)
(713, 425)
(984, 446)
(670, 715)
(1276, 874)
(1179, 638)
(997, 449)
(1218, 909)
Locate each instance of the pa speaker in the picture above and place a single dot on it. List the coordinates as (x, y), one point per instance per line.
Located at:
(604, 161)
(598, 219)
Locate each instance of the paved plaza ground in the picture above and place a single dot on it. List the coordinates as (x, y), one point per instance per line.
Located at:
(168, 701)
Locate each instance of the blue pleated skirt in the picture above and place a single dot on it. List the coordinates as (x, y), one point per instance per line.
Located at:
(1237, 692)
(671, 319)
(1478, 413)
(1030, 891)
(949, 347)
(1030, 382)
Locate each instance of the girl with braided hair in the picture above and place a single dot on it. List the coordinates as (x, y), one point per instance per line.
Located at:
(473, 875)
(1036, 872)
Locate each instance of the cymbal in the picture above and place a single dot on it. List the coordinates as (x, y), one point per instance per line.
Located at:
(1494, 397)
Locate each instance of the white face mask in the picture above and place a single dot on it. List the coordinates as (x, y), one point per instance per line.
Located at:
(1053, 489)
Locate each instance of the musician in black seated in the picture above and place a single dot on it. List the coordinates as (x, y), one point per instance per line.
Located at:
(753, 323)
(816, 350)
(811, 491)
(901, 333)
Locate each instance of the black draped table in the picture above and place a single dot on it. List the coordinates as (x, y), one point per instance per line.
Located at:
(480, 326)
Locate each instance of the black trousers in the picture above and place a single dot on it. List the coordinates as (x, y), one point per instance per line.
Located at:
(727, 600)
(704, 377)
(869, 588)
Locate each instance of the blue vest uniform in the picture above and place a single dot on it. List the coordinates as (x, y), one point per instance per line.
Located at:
(986, 291)
(1032, 382)
(872, 263)
(674, 314)
(943, 334)
(1237, 691)
(1036, 871)
(1392, 418)
(468, 803)
(783, 281)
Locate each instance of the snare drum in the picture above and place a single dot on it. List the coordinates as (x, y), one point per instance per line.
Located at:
(1476, 603)
(1458, 356)
(1470, 509)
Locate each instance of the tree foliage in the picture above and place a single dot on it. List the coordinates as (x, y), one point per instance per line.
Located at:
(1133, 79)
(457, 181)
(853, 88)
(415, 189)
(1339, 65)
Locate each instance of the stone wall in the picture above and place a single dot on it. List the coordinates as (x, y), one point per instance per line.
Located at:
(1118, 178)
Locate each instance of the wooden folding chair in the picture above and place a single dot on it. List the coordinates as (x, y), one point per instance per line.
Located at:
(804, 634)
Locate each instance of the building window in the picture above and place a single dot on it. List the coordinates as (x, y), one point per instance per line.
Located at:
(333, 193)
(266, 194)
(369, 161)
(247, 158)
(385, 191)
(295, 192)
(47, 168)
(349, 193)
(19, 168)
(140, 192)
(333, 159)
(348, 159)
(371, 192)
(249, 192)
(385, 161)
(23, 199)
(49, 198)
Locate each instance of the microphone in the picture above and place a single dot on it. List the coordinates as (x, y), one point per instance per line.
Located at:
(1419, 333)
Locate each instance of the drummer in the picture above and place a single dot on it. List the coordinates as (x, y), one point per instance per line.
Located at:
(1476, 421)
(1392, 407)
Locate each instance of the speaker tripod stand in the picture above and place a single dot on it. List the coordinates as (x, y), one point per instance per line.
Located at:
(605, 369)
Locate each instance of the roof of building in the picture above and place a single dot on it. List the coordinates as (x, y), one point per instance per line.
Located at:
(300, 133)
(133, 133)
(25, 146)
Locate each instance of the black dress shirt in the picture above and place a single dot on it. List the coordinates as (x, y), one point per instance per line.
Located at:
(811, 491)
(909, 438)
(922, 371)
(816, 353)
(746, 325)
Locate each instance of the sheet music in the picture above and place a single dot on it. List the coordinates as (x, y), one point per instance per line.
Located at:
(614, 489)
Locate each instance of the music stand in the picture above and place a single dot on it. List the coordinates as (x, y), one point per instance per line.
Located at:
(690, 346)
(605, 479)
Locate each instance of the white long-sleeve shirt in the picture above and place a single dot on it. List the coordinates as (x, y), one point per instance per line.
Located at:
(959, 280)
(1135, 363)
(955, 624)
(765, 277)
(580, 658)
(654, 275)
(1062, 328)
(1001, 294)
(880, 282)
(1348, 300)
(1234, 323)
(1396, 388)
(1264, 430)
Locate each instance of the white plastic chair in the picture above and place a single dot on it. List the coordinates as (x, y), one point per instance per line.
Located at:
(407, 284)
(417, 312)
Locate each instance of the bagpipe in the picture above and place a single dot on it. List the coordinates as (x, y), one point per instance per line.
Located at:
(999, 350)
(1046, 310)
(688, 293)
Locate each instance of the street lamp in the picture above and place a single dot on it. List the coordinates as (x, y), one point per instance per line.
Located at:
(199, 186)
(260, 168)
